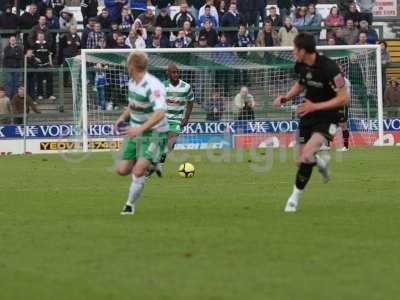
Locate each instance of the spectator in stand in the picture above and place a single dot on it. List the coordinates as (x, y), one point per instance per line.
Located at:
(5, 107)
(372, 36)
(162, 4)
(202, 42)
(70, 46)
(209, 33)
(137, 24)
(287, 33)
(88, 10)
(244, 104)
(100, 82)
(206, 16)
(4, 4)
(352, 14)
(385, 60)
(148, 19)
(314, 20)
(243, 38)
(350, 33)
(366, 7)
(13, 59)
(182, 41)
(58, 6)
(211, 14)
(343, 6)
(274, 18)
(41, 27)
(52, 24)
(112, 35)
(222, 9)
(32, 63)
(8, 21)
(120, 42)
(391, 98)
(215, 106)
(66, 19)
(104, 19)
(267, 37)
(362, 39)
(27, 21)
(338, 37)
(158, 39)
(331, 41)
(17, 105)
(102, 44)
(94, 37)
(136, 39)
(195, 6)
(138, 7)
(231, 18)
(252, 11)
(299, 17)
(126, 20)
(114, 8)
(223, 42)
(333, 21)
(88, 29)
(284, 8)
(163, 20)
(43, 5)
(42, 51)
(187, 29)
(182, 16)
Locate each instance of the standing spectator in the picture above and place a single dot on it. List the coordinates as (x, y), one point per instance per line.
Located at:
(372, 36)
(350, 33)
(5, 107)
(385, 60)
(163, 20)
(138, 7)
(244, 104)
(274, 18)
(206, 16)
(366, 7)
(353, 14)
(391, 98)
(333, 21)
(126, 20)
(209, 33)
(40, 27)
(93, 39)
(158, 39)
(284, 8)
(8, 21)
(88, 29)
(114, 8)
(32, 63)
(184, 15)
(222, 9)
(43, 5)
(104, 19)
(299, 17)
(314, 20)
(58, 6)
(267, 37)
(212, 11)
(27, 21)
(42, 52)
(100, 82)
(287, 33)
(88, 10)
(17, 105)
(13, 59)
(231, 19)
(52, 24)
(148, 19)
(215, 106)
(70, 46)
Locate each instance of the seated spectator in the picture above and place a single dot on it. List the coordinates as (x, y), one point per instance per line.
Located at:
(362, 39)
(8, 21)
(244, 104)
(267, 37)
(209, 11)
(41, 27)
(274, 18)
(17, 105)
(88, 28)
(94, 37)
(207, 17)
(164, 21)
(137, 7)
(148, 19)
(100, 83)
(299, 17)
(114, 8)
(111, 38)
(182, 41)
(70, 46)
(287, 33)
(126, 20)
(42, 52)
(366, 7)
(43, 5)
(88, 10)
(202, 42)
(187, 29)
(338, 37)
(243, 38)
(13, 58)
(66, 19)
(135, 39)
(352, 14)
(102, 44)
(391, 98)
(27, 21)
(215, 107)
(5, 107)
(231, 18)
(350, 33)
(182, 16)
(104, 19)
(209, 33)
(223, 42)
(120, 42)
(372, 36)
(333, 21)
(158, 39)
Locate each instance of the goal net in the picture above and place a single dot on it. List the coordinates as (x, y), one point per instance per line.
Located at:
(234, 89)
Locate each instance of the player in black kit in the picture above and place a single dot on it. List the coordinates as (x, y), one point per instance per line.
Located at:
(324, 86)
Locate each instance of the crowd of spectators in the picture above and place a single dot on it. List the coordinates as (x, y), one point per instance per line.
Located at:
(132, 24)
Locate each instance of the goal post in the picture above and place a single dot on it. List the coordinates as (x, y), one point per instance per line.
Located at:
(265, 71)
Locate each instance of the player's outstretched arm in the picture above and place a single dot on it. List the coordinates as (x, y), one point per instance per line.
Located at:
(296, 89)
(153, 120)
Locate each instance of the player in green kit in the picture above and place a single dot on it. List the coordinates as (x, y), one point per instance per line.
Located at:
(147, 129)
(180, 105)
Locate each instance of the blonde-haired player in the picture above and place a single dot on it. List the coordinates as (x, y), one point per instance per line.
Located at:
(148, 126)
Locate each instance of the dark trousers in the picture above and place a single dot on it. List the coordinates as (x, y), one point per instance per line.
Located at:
(40, 77)
(12, 82)
(30, 84)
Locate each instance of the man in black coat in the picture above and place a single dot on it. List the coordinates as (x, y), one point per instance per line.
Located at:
(13, 61)
(8, 21)
(88, 10)
(28, 20)
(232, 18)
(184, 15)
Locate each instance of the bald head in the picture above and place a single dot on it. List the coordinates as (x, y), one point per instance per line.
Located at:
(173, 74)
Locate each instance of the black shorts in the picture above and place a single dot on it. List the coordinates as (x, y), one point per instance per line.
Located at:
(343, 114)
(327, 129)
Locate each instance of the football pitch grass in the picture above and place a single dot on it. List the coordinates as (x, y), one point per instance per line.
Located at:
(220, 235)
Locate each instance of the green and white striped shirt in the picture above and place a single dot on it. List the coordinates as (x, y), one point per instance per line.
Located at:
(177, 98)
(144, 98)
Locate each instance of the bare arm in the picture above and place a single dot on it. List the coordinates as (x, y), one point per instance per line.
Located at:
(188, 112)
(296, 89)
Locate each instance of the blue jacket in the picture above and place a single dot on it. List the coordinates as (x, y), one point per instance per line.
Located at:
(204, 18)
(114, 9)
(314, 20)
(138, 4)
